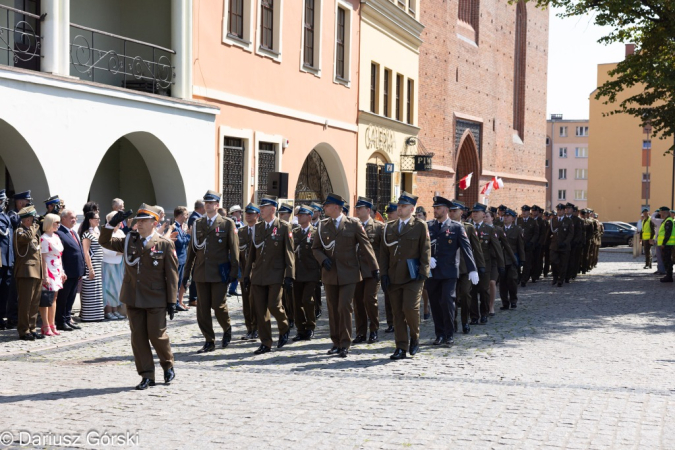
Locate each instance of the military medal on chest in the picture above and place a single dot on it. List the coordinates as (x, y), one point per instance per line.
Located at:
(220, 241)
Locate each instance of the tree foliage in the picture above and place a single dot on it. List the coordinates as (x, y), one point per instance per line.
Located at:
(650, 25)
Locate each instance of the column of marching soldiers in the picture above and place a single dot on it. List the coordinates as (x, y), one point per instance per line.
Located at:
(461, 258)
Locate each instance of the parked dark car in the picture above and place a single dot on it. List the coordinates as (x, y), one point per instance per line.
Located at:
(616, 234)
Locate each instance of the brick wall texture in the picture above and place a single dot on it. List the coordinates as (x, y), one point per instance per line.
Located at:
(459, 79)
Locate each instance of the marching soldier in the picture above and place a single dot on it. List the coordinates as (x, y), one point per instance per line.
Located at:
(572, 212)
(214, 252)
(588, 236)
(148, 289)
(245, 234)
(405, 260)
(285, 212)
(447, 237)
(538, 262)
(392, 214)
(270, 267)
(316, 218)
(335, 249)
(501, 212)
(494, 257)
(28, 272)
(515, 258)
(547, 244)
(464, 283)
(647, 235)
(365, 298)
(530, 229)
(562, 233)
(598, 240)
(495, 273)
(307, 275)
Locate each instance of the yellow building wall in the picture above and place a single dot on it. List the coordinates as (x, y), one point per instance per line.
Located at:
(615, 161)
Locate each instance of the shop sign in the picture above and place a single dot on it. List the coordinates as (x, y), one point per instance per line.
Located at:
(422, 163)
(378, 138)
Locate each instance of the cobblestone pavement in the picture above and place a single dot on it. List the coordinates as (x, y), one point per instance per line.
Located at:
(590, 365)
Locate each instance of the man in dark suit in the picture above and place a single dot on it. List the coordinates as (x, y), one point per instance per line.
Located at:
(180, 239)
(198, 212)
(73, 265)
(8, 298)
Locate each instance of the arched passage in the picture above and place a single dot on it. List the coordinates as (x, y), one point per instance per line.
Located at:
(138, 168)
(467, 162)
(20, 169)
(321, 173)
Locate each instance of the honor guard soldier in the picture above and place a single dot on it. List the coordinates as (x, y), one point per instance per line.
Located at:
(148, 289)
(530, 229)
(214, 253)
(548, 215)
(494, 257)
(285, 212)
(405, 260)
(28, 272)
(392, 214)
(494, 271)
(235, 215)
(270, 267)
(336, 250)
(21, 200)
(538, 262)
(647, 235)
(516, 257)
(307, 275)
(365, 298)
(572, 212)
(464, 283)
(8, 301)
(245, 235)
(447, 239)
(499, 220)
(562, 233)
(316, 218)
(54, 205)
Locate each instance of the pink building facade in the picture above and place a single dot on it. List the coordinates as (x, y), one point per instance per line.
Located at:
(567, 141)
(284, 75)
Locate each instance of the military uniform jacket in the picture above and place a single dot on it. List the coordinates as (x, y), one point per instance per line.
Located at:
(588, 231)
(271, 257)
(28, 260)
(374, 232)
(340, 247)
(578, 223)
(307, 268)
(210, 247)
(489, 242)
(514, 236)
(562, 232)
(244, 245)
(476, 248)
(151, 272)
(543, 230)
(530, 229)
(6, 241)
(412, 242)
(448, 240)
(509, 256)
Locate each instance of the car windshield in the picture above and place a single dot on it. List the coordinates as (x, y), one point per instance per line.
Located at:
(624, 225)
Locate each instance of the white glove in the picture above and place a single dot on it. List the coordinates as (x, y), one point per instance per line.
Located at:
(432, 263)
(473, 276)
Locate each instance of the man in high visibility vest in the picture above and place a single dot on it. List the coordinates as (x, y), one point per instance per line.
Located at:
(647, 236)
(666, 241)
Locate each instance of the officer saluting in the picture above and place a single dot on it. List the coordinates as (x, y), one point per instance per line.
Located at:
(405, 260)
(148, 290)
(28, 272)
(447, 237)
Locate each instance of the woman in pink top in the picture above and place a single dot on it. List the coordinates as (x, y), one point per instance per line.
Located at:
(53, 275)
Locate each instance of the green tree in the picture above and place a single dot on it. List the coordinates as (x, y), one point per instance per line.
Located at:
(650, 25)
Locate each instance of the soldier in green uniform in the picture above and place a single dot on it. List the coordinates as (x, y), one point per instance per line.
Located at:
(598, 240)
(365, 298)
(538, 263)
(548, 215)
(270, 266)
(285, 212)
(307, 275)
(464, 284)
(508, 256)
(494, 259)
(572, 212)
(148, 289)
(405, 258)
(392, 214)
(245, 234)
(28, 272)
(517, 257)
(530, 229)
(317, 210)
(562, 233)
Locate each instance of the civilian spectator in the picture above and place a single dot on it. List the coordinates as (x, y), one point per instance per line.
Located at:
(74, 267)
(91, 297)
(113, 273)
(181, 240)
(89, 206)
(118, 205)
(53, 275)
(221, 212)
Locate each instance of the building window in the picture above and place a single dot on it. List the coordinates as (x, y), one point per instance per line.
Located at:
(309, 33)
(581, 152)
(562, 152)
(374, 77)
(233, 171)
(237, 18)
(387, 93)
(269, 28)
(548, 141)
(340, 44)
(547, 185)
(582, 131)
(546, 163)
(343, 20)
(410, 102)
(310, 60)
(412, 7)
(267, 24)
(469, 14)
(399, 95)
(562, 174)
(267, 159)
(237, 23)
(562, 194)
(520, 57)
(581, 174)
(580, 195)
(563, 131)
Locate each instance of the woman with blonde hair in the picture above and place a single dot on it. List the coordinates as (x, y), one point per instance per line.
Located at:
(53, 275)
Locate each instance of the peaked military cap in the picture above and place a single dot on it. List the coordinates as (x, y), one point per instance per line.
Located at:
(525, 208)
(22, 196)
(502, 208)
(285, 208)
(251, 208)
(212, 196)
(569, 205)
(560, 206)
(269, 200)
(479, 207)
(364, 202)
(407, 198)
(148, 212)
(512, 213)
(345, 208)
(316, 207)
(334, 199)
(305, 210)
(440, 201)
(53, 200)
(392, 207)
(28, 211)
(493, 209)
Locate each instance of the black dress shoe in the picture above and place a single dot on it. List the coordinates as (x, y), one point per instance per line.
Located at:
(283, 339)
(208, 347)
(560, 284)
(373, 337)
(254, 335)
(474, 322)
(64, 327)
(389, 329)
(299, 337)
(169, 375)
(483, 320)
(567, 280)
(179, 308)
(344, 351)
(27, 337)
(554, 282)
(523, 284)
(358, 339)
(513, 306)
(262, 349)
(466, 328)
(414, 346)
(398, 354)
(144, 384)
(439, 340)
(291, 324)
(245, 337)
(227, 338)
(333, 351)
(450, 341)
(74, 326)
(38, 335)
(504, 308)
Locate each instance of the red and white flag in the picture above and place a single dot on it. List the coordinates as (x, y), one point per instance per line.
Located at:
(465, 182)
(486, 189)
(497, 183)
